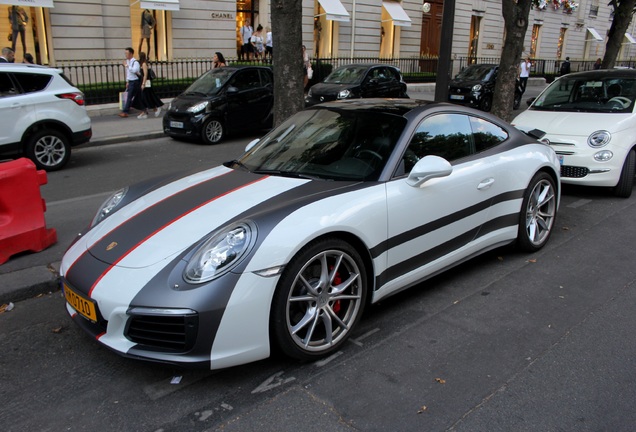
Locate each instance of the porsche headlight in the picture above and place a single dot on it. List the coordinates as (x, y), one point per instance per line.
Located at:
(220, 253)
(109, 206)
(343, 94)
(599, 139)
(198, 107)
(476, 87)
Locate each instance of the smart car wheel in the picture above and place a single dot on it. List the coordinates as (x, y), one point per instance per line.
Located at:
(213, 131)
(626, 181)
(319, 299)
(48, 149)
(538, 212)
(486, 103)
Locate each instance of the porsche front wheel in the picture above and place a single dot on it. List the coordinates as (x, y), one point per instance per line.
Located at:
(538, 212)
(319, 299)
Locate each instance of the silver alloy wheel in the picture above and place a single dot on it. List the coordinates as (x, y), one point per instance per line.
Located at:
(540, 212)
(324, 301)
(213, 131)
(49, 150)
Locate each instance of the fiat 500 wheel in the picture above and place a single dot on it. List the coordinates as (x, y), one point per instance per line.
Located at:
(538, 213)
(213, 131)
(626, 181)
(319, 299)
(48, 149)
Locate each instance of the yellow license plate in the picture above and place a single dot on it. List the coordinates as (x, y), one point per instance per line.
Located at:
(81, 304)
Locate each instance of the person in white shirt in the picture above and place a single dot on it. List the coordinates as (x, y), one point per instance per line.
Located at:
(524, 73)
(269, 45)
(246, 35)
(132, 80)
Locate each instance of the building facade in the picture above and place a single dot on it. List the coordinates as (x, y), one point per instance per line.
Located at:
(85, 30)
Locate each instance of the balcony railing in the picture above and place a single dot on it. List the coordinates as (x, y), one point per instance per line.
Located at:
(102, 80)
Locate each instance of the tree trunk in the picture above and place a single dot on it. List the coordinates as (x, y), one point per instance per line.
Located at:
(516, 24)
(287, 59)
(623, 11)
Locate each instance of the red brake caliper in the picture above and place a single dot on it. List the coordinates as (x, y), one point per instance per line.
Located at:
(337, 280)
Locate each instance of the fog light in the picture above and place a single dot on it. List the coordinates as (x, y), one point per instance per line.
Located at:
(603, 156)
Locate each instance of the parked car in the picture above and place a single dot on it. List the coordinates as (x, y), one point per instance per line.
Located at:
(220, 102)
(474, 86)
(590, 122)
(43, 115)
(342, 205)
(358, 81)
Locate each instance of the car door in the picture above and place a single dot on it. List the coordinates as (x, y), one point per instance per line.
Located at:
(434, 224)
(13, 110)
(247, 100)
(374, 84)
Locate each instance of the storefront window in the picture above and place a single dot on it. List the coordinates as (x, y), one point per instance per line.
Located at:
(149, 32)
(246, 12)
(559, 52)
(25, 30)
(534, 42)
(473, 45)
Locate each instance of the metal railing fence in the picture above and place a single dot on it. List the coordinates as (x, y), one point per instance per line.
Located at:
(102, 80)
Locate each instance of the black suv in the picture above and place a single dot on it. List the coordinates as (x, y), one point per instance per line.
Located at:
(358, 81)
(475, 85)
(222, 101)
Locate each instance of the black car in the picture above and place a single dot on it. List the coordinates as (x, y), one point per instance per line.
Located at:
(474, 86)
(222, 101)
(358, 81)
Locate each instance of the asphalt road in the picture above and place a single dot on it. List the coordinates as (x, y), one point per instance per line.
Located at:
(505, 342)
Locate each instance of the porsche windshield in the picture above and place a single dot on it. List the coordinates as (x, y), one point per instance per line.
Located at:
(328, 144)
(347, 75)
(210, 82)
(598, 94)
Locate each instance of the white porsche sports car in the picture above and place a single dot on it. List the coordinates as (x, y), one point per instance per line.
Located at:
(589, 119)
(342, 205)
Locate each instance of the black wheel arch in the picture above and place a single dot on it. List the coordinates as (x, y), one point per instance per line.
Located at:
(46, 125)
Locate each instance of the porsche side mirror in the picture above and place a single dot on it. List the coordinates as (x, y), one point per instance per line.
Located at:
(251, 144)
(427, 168)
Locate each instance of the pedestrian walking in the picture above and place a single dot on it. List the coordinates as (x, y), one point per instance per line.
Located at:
(218, 60)
(133, 72)
(149, 99)
(565, 66)
(246, 35)
(269, 44)
(524, 74)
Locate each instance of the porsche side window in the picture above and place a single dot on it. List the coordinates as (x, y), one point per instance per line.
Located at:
(486, 134)
(445, 135)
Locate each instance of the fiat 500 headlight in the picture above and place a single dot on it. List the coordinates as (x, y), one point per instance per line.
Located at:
(220, 253)
(599, 139)
(109, 206)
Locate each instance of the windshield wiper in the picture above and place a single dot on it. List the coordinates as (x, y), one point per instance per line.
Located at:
(291, 174)
(236, 163)
(196, 93)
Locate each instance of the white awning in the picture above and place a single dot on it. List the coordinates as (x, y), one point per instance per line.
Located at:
(630, 38)
(395, 10)
(594, 34)
(334, 10)
(170, 5)
(29, 3)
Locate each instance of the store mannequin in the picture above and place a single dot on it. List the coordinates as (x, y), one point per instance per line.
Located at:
(147, 24)
(18, 19)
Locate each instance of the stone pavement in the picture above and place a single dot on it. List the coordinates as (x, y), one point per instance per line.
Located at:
(109, 128)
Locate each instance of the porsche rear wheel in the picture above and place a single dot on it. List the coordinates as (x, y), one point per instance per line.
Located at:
(213, 131)
(319, 299)
(538, 212)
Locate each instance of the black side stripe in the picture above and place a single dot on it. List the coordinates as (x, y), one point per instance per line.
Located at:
(149, 221)
(439, 251)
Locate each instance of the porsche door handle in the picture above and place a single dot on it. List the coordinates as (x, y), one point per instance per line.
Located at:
(486, 183)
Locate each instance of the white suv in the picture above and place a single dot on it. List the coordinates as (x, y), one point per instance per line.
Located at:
(43, 115)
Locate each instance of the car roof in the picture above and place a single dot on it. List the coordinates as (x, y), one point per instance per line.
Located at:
(604, 73)
(22, 67)
(366, 65)
(392, 106)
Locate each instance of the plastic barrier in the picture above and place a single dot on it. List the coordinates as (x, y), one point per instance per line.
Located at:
(22, 225)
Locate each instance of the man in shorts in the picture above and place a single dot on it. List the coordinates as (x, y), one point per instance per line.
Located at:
(246, 35)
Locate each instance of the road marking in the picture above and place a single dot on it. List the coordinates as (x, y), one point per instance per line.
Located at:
(165, 387)
(272, 382)
(323, 362)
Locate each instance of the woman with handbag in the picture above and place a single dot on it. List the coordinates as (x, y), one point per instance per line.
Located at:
(148, 97)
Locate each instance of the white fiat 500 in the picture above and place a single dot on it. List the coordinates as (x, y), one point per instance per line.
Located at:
(340, 206)
(590, 122)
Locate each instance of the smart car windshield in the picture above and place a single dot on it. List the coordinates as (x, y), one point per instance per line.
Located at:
(476, 73)
(596, 94)
(347, 75)
(327, 144)
(210, 82)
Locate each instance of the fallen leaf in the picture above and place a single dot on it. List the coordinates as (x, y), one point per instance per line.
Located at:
(566, 228)
(441, 381)
(533, 260)
(57, 330)
(421, 410)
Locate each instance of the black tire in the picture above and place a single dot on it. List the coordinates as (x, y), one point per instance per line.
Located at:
(486, 103)
(626, 181)
(538, 213)
(319, 299)
(213, 131)
(49, 149)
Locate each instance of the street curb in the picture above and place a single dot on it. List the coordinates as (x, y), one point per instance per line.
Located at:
(124, 138)
(28, 283)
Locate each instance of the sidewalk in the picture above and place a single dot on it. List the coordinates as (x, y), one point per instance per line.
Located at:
(109, 128)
